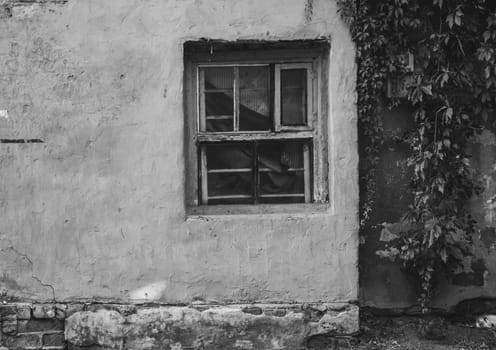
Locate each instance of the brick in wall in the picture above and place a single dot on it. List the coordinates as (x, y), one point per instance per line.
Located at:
(54, 340)
(43, 325)
(22, 341)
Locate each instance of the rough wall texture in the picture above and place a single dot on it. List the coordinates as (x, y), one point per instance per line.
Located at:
(383, 285)
(96, 211)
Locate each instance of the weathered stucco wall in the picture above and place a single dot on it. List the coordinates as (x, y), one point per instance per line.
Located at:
(383, 284)
(97, 209)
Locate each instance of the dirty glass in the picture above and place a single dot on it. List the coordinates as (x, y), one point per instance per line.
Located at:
(219, 102)
(229, 173)
(294, 97)
(281, 172)
(254, 99)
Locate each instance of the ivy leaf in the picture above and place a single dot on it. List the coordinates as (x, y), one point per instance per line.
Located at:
(427, 89)
(438, 3)
(449, 113)
(458, 19)
(444, 79)
(443, 255)
(487, 35)
(450, 19)
(487, 72)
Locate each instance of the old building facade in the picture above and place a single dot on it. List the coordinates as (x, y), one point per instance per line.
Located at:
(155, 192)
(105, 238)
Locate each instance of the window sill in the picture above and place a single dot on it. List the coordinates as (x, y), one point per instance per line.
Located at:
(259, 209)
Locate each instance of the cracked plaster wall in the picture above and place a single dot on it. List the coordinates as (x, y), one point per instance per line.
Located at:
(97, 210)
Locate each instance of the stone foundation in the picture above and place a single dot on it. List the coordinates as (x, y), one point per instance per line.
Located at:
(199, 326)
(32, 326)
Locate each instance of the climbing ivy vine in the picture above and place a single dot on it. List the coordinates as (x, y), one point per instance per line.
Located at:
(451, 92)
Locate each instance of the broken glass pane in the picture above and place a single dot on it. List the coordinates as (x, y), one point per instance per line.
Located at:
(254, 99)
(281, 172)
(294, 97)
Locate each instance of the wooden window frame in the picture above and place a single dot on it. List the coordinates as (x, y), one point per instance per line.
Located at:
(315, 61)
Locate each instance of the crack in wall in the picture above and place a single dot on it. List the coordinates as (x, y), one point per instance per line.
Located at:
(31, 2)
(26, 257)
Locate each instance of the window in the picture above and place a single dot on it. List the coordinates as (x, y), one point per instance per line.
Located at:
(256, 132)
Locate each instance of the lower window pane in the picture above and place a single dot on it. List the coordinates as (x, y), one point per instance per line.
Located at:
(229, 185)
(281, 172)
(229, 156)
(280, 184)
(229, 173)
(280, 156)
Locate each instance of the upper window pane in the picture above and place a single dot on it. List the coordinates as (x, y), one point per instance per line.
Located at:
(254, 99)
(294, 97)
(217, 105)
(219, 111)
(219, 78)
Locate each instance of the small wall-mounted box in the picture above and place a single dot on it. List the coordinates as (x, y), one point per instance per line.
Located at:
(398, 87)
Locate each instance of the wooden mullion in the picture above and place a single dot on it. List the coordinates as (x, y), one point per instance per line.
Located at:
(224, 171)
(305, 108)
(309, 95)
(202, 113)
(255, 176)
(277, 97)
(307, 179)
(254, 136)
(291, 170)
(282, 195)
(203, 174)
(236, 98)
(271, 87)
(217, 90)
(242, 196)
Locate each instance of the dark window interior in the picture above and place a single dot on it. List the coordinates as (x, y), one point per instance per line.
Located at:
(256, 172)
